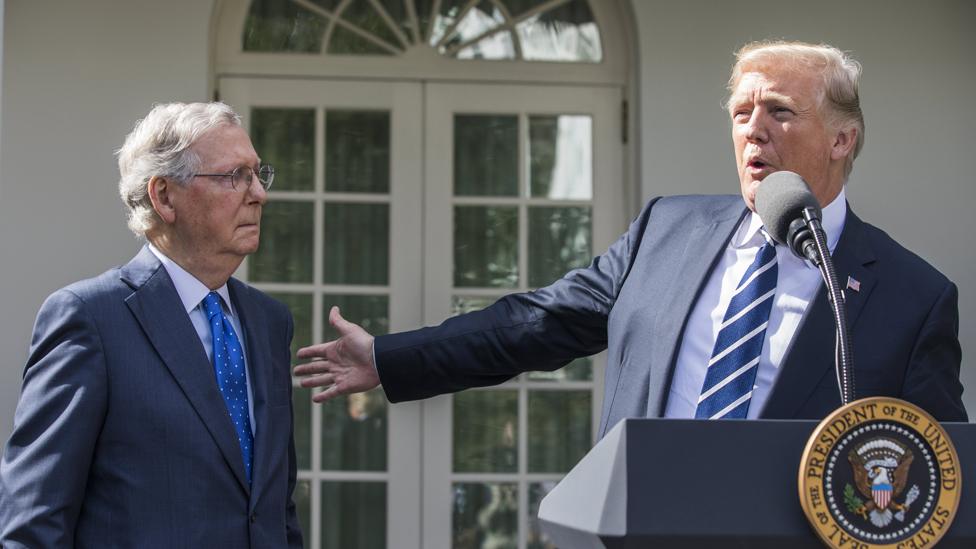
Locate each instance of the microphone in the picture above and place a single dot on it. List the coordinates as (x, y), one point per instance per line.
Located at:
(791, 215)
(785, 205)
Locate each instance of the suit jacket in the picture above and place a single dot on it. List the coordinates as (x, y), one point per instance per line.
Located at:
(121, 436)
(635, 301)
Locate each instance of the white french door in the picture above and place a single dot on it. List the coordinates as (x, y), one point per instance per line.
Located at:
(405, 203)
(523, 183)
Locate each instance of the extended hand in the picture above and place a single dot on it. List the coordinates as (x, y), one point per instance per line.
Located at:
(344, 365)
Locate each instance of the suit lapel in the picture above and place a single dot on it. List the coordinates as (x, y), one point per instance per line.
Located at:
(255, 326)
(811, 354)
(158, 309)
(705, 244)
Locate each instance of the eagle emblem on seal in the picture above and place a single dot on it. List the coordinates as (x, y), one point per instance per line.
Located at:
(881, 474)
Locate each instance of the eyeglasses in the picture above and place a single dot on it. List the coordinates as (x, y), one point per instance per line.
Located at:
(242, 177)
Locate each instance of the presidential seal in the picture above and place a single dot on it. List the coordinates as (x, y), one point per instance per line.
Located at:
(880, 473)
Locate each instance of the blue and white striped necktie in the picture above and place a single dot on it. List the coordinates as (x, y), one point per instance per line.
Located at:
(732, 368)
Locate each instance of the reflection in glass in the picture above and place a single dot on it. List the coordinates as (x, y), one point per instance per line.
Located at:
(353, 515)
(485, 515)
(357, 151)
(363, 15)
(466, 304)
(486, 246)
(346, 42)
(354, 432)
(285, 138)
(303, 506)
(276, 26)
(447, 14)
(560, 157)
(580, 369)
(486, 432)
(559, 429)
(565, 33)
(536, 538)
(285, 252)
(301, 400)
(357, 243)
(369, 311)
(300, 306)
(496, 46)
(559, 241)
(485, 155)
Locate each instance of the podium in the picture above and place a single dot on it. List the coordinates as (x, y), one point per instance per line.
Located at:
(707, 484)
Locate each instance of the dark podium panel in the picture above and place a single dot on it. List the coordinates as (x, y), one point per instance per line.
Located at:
(704, 484)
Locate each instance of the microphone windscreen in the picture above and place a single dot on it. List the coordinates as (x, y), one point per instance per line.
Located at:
(781, 199)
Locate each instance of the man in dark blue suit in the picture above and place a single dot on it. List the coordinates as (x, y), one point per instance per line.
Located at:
(156, 403)
(701, 314)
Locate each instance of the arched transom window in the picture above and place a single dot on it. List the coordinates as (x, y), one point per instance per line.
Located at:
(526, 30)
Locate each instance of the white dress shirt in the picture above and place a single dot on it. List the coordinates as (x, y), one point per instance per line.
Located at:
(797, 283)
(192, 292)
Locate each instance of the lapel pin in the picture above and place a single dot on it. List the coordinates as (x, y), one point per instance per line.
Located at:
(853, 284)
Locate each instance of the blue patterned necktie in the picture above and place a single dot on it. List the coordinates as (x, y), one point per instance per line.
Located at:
(731, 373)
(228, 359)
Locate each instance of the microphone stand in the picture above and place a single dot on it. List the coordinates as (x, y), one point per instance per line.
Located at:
(843, 358)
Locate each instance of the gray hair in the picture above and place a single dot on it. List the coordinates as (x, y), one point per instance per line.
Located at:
(839, 100)
(159, 145)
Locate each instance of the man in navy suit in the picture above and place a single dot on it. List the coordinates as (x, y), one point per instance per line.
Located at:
(156, 403)
(664, 300)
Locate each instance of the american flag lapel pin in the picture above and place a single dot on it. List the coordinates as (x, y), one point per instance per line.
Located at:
(853, 284)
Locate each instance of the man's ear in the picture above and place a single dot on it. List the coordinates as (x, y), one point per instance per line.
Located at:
(844, 141)
(161, 196)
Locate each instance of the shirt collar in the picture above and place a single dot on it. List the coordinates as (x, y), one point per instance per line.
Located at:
(189, 288)
(834, 215)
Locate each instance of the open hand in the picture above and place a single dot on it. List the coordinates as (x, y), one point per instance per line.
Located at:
(344, 365)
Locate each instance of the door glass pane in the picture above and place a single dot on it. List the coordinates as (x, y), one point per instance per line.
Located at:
(560, 157)
(273, 25)
(466, 304)
(559, 429)
(362, 14)
(353, 515)
(357, 243)
(301, 399)
(486, 432)
(346, 42)
(536, 538)
(580, 369)
(369, 311)
(567, 32)
(354, 432)
(285, 251)
(300, 306)
(559, 241)
(485, 155)
(357, 151)
(285, 138)
(303, 507)
(485, 515)
(495, 46)
(486, 246)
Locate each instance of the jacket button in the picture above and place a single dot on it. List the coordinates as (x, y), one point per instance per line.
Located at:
(254, 518)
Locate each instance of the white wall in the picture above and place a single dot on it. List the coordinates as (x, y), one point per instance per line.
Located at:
(914, 177)
(76, 77)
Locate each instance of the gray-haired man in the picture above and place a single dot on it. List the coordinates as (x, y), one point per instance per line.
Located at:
(156, 404)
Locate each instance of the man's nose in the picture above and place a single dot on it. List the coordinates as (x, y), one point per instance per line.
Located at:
(256, 191)
(756, 127)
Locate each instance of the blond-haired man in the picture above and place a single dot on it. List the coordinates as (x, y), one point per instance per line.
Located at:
(701, 314)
